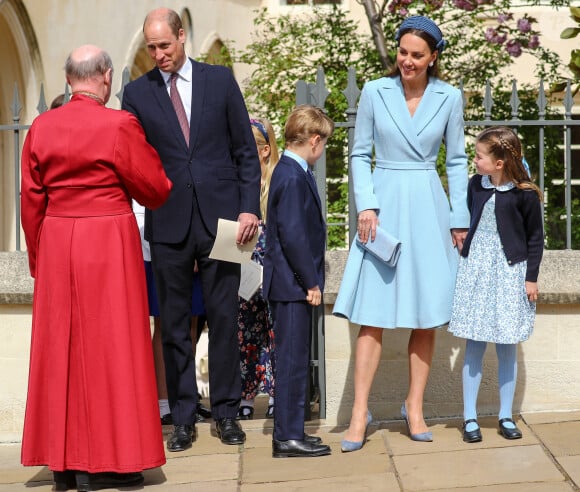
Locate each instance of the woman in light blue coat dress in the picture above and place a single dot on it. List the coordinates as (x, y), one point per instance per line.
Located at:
(405, 118)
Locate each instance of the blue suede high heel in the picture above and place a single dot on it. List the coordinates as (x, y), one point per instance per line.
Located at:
(348, 446)
(423, 436)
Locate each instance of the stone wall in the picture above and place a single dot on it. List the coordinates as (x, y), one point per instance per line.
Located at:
(549, 363)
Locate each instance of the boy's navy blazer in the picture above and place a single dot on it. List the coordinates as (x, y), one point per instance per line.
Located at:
(221, 163)
(295, 235)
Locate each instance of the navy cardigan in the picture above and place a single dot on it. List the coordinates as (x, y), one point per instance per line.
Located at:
(519, 222)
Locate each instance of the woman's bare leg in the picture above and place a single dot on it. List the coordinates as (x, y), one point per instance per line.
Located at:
(420, 349)
(368, 354)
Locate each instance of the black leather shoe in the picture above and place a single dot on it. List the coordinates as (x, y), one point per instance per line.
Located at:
(166, 419)
(471, 436)
(182, 438)
(507, 432)
(64, 480)
(295, 448)
(229, 431)
(86, 482)
(203, 412)
(312, 439)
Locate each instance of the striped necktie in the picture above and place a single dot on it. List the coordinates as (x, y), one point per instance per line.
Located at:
(178, 106)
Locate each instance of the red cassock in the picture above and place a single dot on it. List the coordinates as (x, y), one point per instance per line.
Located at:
(92, 399)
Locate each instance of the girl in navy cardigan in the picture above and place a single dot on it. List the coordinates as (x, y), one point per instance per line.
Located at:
(496, 286)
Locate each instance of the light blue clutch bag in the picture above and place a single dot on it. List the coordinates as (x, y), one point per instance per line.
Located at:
(385, 247)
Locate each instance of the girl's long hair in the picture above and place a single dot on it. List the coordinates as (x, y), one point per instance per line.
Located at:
(503, 144)
(261, 142)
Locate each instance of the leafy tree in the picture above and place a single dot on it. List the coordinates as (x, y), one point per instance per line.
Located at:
(569, 33)
(484, 37)
(289, 48)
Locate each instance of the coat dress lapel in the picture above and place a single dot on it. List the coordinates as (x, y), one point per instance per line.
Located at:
(429, 107)
(393, 97)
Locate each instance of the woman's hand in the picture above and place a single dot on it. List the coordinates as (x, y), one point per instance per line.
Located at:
(532, 291)
(458, 237)
(367, 225)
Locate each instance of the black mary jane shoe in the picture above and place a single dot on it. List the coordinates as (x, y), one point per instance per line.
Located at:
(87, 482)
(245, 413)
(270, 412)
(64, 480)
(471, 436)
(508, 432)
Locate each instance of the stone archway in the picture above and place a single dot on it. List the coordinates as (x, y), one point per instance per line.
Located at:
(216, 52)
(21, 69)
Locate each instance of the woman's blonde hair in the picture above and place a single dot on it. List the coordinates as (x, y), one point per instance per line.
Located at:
(503, 144)
(264, 135)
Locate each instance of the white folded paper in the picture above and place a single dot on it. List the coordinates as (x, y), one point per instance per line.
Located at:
(250, 279)
(225, 247)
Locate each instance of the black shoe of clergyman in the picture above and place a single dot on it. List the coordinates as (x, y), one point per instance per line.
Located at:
(229, 431)
(295, 448)
(507, 432)
(182, 438)
(64, 480)
(86, 482)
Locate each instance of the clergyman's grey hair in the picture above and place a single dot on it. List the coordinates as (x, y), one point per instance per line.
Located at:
(97, 65)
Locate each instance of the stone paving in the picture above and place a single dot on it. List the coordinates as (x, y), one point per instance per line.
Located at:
(547, 459)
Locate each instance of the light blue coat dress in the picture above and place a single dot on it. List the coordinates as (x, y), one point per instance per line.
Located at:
(406, 191)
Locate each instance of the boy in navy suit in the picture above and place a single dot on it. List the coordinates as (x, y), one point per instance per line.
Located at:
(294, 274)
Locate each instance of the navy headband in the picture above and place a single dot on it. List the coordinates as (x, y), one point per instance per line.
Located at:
(261, 128)
(422, 23)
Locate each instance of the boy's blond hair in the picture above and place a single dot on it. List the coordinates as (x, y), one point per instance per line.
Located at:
(304, 122)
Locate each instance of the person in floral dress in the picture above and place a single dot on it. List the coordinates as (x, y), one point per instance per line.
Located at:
(254, 318)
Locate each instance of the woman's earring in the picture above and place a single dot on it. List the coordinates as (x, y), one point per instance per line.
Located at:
(431, 64)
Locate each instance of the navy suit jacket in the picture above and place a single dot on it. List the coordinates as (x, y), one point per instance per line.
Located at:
(221, 162)
(295, 235)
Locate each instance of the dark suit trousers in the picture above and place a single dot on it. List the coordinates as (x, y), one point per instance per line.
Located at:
(173, 265)
(292, 334)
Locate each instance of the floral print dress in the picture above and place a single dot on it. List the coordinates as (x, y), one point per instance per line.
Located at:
(256, 337)
(490, 303)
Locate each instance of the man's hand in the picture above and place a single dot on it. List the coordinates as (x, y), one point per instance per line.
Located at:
(314, 296)
(248, 228)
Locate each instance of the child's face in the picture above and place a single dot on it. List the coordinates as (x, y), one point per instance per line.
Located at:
(317, 145)
(485, 163)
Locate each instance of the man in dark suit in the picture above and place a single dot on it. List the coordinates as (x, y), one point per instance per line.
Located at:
(294, 274)
(195, 117)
